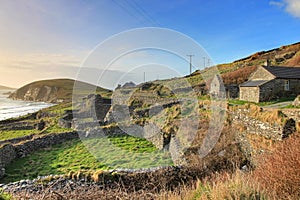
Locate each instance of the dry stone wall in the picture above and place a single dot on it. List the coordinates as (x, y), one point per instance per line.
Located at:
(9, 152)
(272, 131)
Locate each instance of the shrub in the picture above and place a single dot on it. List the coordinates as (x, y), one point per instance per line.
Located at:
(5, 196)
(238, 76)
(279, 172)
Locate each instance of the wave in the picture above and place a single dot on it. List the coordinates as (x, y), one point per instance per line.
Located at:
(14, 108)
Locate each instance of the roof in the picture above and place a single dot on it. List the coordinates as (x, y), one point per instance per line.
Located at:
(284, 72)
(254, 83)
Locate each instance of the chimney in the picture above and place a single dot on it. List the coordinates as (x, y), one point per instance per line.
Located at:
(267, 63)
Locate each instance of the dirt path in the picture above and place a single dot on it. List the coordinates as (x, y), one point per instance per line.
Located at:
(278, 105)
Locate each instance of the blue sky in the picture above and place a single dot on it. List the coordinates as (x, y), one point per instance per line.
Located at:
(43, 39)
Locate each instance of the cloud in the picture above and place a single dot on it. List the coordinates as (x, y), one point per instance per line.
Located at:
(276, 3)
(18, 70)
(290, 6)
(293, 7)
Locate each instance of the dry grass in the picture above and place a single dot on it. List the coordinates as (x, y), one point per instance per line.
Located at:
(220, 186)
(270, 116)
(279, 172)
(238, 76)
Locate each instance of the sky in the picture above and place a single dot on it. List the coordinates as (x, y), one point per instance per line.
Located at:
(45, 39)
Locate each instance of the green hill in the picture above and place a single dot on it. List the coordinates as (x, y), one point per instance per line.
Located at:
(53, 91)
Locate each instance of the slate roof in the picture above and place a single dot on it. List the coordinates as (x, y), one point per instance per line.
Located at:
(254, 83)
(284, 72)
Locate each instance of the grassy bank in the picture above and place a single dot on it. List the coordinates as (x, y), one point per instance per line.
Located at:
(74, 155)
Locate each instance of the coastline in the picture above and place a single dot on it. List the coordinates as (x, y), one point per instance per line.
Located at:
(10, 108)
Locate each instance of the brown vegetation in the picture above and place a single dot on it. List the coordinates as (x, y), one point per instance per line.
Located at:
(238, 76)
(279, 172)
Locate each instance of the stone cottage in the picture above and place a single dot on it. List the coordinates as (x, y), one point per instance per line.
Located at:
(217, 88)
(271, 82)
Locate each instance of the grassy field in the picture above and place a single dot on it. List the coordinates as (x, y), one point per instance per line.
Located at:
(53, 113)
(74, 156)
(6, 135)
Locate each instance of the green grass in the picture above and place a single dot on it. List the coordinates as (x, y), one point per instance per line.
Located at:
(133, 144)
(276, 101)
(6, 135)
(58, 109)
(241, 102)
(292, 106)
(74, 155)
(5, 196)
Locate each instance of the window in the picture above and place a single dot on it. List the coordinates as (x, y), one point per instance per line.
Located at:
(286, 85)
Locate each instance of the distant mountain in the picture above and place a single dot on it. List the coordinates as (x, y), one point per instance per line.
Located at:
(6, 88)
(53, 91)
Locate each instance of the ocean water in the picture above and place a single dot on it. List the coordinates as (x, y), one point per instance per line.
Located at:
(14, 108)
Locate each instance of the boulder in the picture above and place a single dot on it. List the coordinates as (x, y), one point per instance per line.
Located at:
(297, 101)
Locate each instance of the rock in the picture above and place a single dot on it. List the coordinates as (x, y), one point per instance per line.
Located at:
(129, 85)
(41, 125)
(297, 101)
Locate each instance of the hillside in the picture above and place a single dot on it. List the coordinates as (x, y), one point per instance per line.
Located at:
(238, 71)
(288, 55)
(53, 91)
(6, 88)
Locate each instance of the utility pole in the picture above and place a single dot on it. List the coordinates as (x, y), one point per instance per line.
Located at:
(204, 61)
(190, 62)
(208, 62)
(144, 77)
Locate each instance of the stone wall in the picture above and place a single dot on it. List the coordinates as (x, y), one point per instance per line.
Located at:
(271, 90)
(294, 114)
(275, 89)
(261, 74)
(9, 152)
(94, 106)
(273, 131)
(27, 147)
(17, 140)
(249, 94)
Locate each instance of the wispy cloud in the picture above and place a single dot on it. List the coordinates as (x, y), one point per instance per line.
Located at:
(290, 6)
(38, 61)
(17, 70)
(276, 3)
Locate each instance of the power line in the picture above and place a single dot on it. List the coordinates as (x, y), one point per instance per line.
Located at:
(190, 62)
(124, 8)
(142, 12)
(135, 10)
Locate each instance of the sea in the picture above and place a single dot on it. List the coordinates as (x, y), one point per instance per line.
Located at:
(14, 108)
